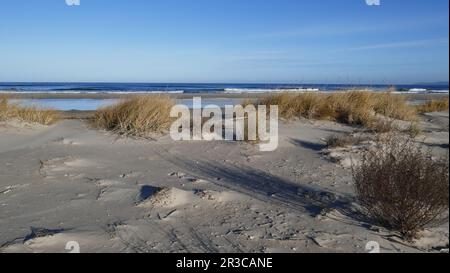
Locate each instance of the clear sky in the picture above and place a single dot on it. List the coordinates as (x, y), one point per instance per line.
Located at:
(267, 41)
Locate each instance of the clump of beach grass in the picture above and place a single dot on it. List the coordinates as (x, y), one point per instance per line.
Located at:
(3, 105)
(434, 106)
(32, 114)
(354, 108)
(140, 116)
(292, 106)
(393, 106)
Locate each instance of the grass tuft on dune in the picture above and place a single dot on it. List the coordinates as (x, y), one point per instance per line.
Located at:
(434, 106)
(9, 111)
(355, 108)
(139, 116)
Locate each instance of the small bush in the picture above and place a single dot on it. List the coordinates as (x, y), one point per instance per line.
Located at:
(10, 111)
(139, 116)
(382, 126)
(434, 106)
(338, 141)
(401, 187)
(414, 130)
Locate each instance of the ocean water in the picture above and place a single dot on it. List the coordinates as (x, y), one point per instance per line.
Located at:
(145, 88)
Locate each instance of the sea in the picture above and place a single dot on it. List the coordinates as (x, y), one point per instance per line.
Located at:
(178, 88)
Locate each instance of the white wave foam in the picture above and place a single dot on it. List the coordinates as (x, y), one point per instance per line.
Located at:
(422, 91)
(92, 92)
(275, 90)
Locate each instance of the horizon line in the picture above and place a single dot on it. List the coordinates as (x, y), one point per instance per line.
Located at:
(175, 82)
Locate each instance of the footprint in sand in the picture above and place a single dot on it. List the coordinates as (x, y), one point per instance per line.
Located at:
(147, 192)
(42, 240)
(179, 175)
(189, 179)
(220, 197)
(131, 174)
(48, 166)
(62, 166)
(65, 141)
(11, 188)
(328, 240)
(175, 198)
(114, 191)
(168, 198)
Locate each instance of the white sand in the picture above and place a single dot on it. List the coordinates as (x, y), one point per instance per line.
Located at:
(71, 183)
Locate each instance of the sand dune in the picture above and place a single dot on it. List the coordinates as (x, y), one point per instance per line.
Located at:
(69, 183)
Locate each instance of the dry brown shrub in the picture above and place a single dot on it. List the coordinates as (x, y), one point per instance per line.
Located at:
(339, 141)
(401, 187)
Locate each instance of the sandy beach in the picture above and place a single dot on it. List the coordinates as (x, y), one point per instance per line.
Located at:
(71, 182)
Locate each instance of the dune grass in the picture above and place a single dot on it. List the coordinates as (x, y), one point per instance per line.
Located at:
(434, 106)
(355, 108)
(9, 111)
(139, 116)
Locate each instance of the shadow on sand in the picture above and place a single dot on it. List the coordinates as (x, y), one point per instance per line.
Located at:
(317, 147)
(270, 188)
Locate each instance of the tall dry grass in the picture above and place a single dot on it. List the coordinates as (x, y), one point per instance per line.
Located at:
(9, 111)
(356, 108)
(139, 116)
(296, 105)
(434, 106)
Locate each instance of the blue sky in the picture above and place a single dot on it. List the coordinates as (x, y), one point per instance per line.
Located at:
(267, 41)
